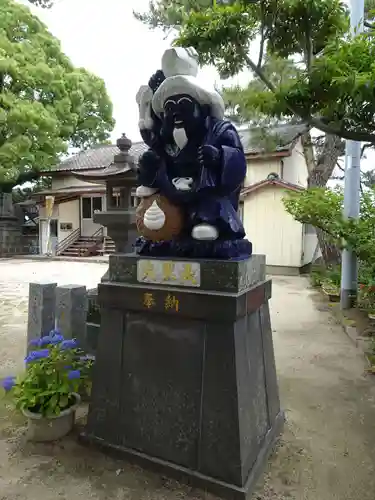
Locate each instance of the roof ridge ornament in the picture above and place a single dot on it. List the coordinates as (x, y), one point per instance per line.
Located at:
(124, 144)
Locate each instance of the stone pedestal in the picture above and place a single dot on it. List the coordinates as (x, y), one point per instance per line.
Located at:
(185, 377)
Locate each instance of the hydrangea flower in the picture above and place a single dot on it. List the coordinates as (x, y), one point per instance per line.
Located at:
(8, 383)
(74, 374)
(35, 355)
(52, 339)
(69, 344)
(34, 343)
(56, 339)
(52, 361)
(45, 341)
(54, 332)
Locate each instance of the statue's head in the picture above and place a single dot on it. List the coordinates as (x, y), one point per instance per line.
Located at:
(183, 104)
(176, 97)
(183, 117)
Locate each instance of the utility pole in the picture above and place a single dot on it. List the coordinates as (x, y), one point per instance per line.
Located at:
(349, 263)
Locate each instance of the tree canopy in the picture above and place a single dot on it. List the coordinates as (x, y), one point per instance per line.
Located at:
(45, 4)
(46, 104)
(332, 88)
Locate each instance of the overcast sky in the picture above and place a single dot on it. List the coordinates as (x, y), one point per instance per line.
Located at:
(104, 37)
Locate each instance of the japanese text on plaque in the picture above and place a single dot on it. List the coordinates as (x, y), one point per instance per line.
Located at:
(165, 272)
(171, 302)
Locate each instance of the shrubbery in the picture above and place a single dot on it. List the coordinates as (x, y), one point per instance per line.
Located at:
(322, 208)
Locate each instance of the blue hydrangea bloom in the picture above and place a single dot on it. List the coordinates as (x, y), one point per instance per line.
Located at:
(56, 339)
(46, 340)
(69, 344)
(55, 331)
(35, 355)
(74, 374)
(8, 383)
(34, 343)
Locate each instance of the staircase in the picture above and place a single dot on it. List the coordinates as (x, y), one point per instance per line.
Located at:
(76, 245)
(84, 246)
(108, 245)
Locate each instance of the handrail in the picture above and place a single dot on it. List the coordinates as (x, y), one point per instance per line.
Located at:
(69, 240)
(99, 233)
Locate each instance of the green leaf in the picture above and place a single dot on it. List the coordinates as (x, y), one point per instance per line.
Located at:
(46, 104)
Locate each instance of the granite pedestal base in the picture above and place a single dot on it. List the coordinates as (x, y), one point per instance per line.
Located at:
(185, 377)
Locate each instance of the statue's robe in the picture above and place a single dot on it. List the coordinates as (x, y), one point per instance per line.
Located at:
(215, 192)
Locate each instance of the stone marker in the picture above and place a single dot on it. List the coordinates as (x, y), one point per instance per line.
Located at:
(41, 315)
(71, 312)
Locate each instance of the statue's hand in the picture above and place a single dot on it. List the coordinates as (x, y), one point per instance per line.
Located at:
(209, 156)
(156, 80)
(149, 160)
(149, 164)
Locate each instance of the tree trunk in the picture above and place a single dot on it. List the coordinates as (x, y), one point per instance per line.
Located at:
(320, 170)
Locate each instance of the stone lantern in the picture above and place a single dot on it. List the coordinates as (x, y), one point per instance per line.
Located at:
(120, 179)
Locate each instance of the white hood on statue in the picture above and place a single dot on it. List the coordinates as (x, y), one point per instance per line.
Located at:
(180, 66)
(180, 61)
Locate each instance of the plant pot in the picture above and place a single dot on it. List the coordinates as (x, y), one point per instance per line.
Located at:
(333, 295)
(46, 429)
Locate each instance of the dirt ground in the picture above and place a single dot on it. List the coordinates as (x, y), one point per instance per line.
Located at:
(327, 451)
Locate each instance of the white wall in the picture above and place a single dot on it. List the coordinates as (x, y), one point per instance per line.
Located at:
(68, 211)
(70, 181)
(258, 170)
(294, 166)
(271, 229)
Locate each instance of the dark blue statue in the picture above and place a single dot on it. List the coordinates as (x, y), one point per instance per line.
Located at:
(195, 160)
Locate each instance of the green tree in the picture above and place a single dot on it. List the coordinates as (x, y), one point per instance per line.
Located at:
(291, 34)
(45, 4)
(323, 209)
(368, 179)
(46, 105)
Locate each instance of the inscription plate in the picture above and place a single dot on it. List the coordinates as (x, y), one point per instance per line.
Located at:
(169, 272)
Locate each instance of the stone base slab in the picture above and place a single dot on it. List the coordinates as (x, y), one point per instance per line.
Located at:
(191, 477)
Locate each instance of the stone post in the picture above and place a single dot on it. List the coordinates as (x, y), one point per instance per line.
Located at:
(41, 316)
(71, 312)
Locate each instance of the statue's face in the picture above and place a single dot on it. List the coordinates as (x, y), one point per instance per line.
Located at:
(182, 111)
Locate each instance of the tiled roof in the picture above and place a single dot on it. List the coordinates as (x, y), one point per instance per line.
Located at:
(270, 182)
(281, 138)
(98, 157)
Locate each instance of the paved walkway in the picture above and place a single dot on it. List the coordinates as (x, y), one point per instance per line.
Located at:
(327, 451)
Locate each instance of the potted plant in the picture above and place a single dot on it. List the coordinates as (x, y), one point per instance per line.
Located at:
(331, 290)
(47, 392)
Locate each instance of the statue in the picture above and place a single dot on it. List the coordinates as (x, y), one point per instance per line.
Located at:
(190, 178)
